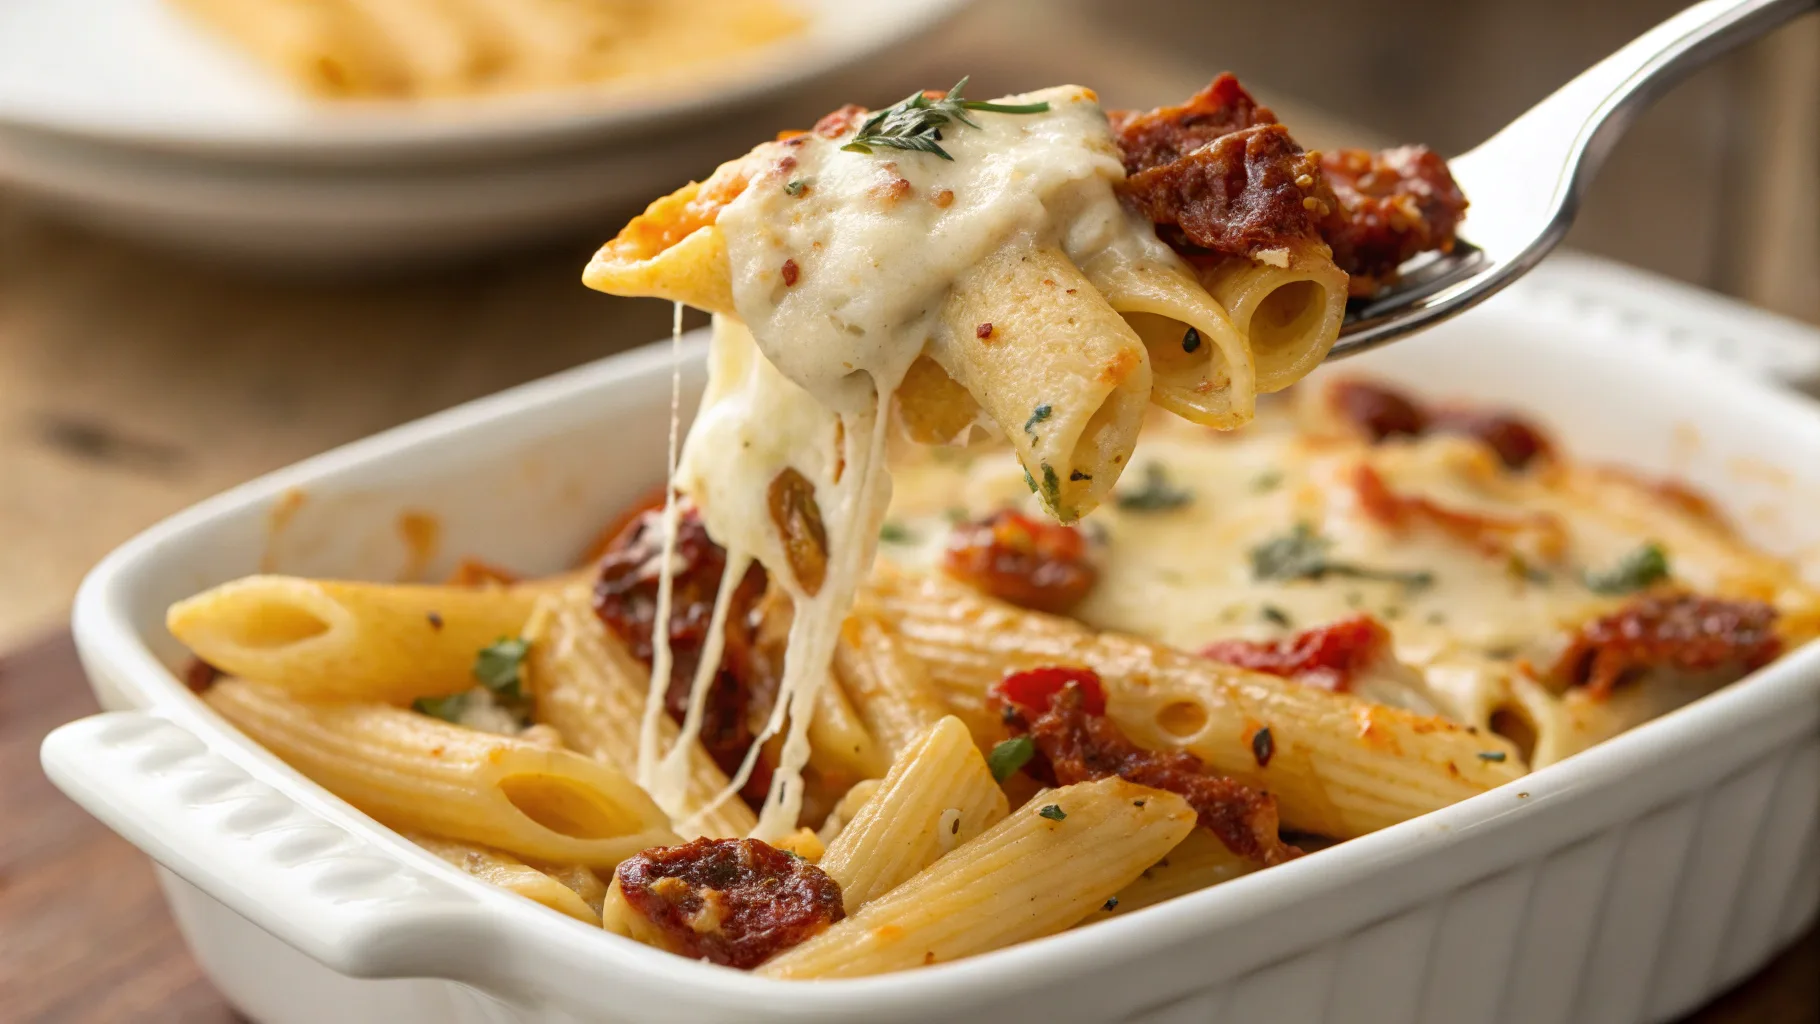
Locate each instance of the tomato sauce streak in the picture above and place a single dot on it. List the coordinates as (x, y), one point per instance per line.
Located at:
(1074, 744)
(733, 902)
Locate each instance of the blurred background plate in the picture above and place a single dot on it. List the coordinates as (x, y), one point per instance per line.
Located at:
(138, 73)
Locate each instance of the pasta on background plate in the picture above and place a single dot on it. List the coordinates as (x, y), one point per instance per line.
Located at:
(969, 614)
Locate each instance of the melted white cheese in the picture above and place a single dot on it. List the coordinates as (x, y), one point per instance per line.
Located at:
(879, 239)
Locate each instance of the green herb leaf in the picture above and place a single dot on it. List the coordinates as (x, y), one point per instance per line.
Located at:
(1052, 488)
(1009, 756)
(1277, 615)
(1263, 746)
(1265, 482)
(1030, 480)
(497, 667)
(1191, 340)
(448, 708)
(1518, 568)
(796, 188)
(1491, 755)
(895, 533)
(1156, 495)
(1301, 554)
(915, 123)
(1037, 415)
(1053, 812)
(1646, 565)
(1110, 903)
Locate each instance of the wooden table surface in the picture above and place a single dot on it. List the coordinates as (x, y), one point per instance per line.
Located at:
(133, 383)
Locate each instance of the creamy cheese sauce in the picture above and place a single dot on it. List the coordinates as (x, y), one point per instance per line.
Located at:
(1184, 576)
(877, 240)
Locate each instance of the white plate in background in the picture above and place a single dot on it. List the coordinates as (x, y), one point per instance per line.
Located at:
(136, 73)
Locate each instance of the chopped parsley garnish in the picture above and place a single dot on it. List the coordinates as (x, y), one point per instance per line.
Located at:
(1646, 565)
(1053, 812)
(1030, 481)
(1037, 415)
(497, 667)
(1009, 756)
(448, 708)
(1110, 903)
(1077, 476)
(1263, 746)
(916, 121)
(1277, 615)
(1191, 340)
(895, 533)
(1266, 482)
(1519, 569)
(954, 514)
(1491, 755)
(435, 620)
(796, 188)
(1301, 554)
(1156, 495)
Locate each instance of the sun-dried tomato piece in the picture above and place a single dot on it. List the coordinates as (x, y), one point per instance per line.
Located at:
(1015, 558)
(1329, 656)
(1075, 744)
(1380, 412)
(625, 599)
(1391, 206)
(734, 902)
(1034, 689)
(1517, 441)
(1678, 632)
(1377, 411)
(1152, 138)
(1243, 193)
(798, 519)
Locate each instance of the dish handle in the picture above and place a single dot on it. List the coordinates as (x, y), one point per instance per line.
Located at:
(308, 880)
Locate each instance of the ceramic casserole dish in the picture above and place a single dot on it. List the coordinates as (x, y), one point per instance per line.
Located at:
(1627, 883)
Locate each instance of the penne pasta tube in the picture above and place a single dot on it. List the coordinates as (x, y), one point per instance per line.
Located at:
(673, 250)
(327, 639)
(1208, 377)
(1290, 315)
(889, 689)
(514, 875)
(1043, 868)
(933, 408)
(1055, 366)
(1200, 860)
(1341, 767)
(319, 44)
(440, 52)
(414, 772)
(938, 796)
(586, 684)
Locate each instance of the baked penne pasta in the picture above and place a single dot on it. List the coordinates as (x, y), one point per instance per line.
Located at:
(1043, 868)
(888, 689)
(414, 772)
(938, 796)
(1341, 767)
(1198, 861)
(570, 894)
(590, 688)
(324, 639)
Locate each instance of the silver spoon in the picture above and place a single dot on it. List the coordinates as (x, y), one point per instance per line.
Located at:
(1525, 183)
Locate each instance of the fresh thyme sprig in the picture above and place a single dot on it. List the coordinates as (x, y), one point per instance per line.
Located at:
(916, 121)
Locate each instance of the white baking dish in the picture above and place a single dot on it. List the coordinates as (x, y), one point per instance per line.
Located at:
(1626, 884)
